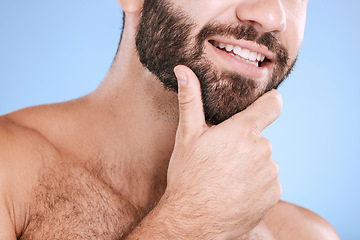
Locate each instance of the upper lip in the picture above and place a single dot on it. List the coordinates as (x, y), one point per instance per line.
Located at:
(252, 46)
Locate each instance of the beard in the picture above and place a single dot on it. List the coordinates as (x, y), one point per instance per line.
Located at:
(166, 38)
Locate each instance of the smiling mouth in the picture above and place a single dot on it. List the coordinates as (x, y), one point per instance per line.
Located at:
(254, 58)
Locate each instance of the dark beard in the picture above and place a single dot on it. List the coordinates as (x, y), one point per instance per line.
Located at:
(164, 40)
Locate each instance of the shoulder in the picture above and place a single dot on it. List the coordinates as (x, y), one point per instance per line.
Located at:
(20, 144)
(23, 150)
(289, 221)
(22, 153)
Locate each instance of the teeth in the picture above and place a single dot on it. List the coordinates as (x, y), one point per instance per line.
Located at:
(229, 47)
(221, 45)
(253, 56)
(253, 63)
(259, 56)
(241, 53)
(245, 53)
(262, 58)
(237, 50)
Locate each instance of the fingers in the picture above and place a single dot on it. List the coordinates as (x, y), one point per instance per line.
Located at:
(191, 109)
(258, 115)
(264, 111)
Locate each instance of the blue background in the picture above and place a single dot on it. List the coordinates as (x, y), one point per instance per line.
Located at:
(56, 50)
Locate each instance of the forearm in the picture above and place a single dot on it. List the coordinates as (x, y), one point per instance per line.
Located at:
(154, 226)
(221, 179)
(168, 221)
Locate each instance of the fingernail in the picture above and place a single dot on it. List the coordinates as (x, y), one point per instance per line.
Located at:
(181, 77)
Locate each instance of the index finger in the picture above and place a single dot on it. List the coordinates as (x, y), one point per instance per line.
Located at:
(261, 113)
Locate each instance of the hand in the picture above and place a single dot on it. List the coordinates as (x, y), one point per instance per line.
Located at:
(221, 179)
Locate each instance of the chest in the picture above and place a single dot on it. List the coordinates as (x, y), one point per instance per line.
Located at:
(75, 203)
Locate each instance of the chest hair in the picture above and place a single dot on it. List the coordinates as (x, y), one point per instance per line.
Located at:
(72, 202)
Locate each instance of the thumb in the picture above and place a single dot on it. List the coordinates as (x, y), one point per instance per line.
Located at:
(191, 108)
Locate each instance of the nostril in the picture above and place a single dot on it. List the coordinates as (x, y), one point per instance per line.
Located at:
(269, 15)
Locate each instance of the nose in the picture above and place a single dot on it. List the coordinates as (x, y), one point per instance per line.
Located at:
(269, 15)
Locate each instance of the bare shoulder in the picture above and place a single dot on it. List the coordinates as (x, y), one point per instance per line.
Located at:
(21, 145)
(289, 221)
(22, 153)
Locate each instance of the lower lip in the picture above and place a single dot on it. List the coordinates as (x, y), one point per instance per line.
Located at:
(245, 68)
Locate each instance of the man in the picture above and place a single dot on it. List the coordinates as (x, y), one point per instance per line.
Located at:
(169, 146)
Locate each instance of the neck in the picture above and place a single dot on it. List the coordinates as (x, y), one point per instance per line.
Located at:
(142, 118)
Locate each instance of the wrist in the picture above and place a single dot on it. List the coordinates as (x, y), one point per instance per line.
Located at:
(172, 219)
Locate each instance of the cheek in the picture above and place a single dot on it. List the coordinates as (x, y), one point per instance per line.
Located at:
(294, 34)
(201, 12)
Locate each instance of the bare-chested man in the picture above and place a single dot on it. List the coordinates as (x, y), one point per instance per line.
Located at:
(169, 146)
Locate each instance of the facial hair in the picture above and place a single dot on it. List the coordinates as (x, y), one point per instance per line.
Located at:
(165, 39)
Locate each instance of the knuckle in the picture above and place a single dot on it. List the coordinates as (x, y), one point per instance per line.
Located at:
(258, 124)
(249, 128)
(185, 101)
(274, 172)
(190, 104)
(267, 145)
(276, 168)
(265, 148)
(276, 101)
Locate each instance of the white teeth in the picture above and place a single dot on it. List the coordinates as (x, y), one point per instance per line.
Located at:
(237, 50)
(258, 57)
(253, 56)
(245, 53)
(262, 58)
(221, 45)
(241, 53)
(252, 62)
(229, 47)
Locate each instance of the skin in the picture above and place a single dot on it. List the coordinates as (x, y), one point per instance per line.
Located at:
(134, 161)
(225, 90)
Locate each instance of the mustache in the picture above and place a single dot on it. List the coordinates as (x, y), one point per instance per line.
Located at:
(249, 33)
